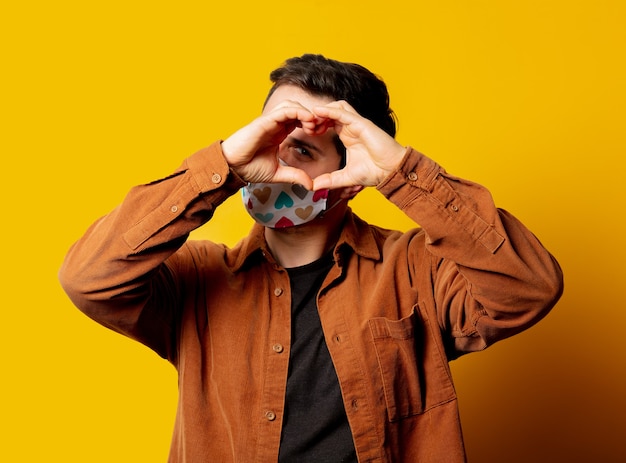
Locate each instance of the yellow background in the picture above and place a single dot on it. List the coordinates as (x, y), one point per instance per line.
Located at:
(525, 97)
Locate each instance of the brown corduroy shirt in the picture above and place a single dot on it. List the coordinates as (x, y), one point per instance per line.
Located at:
(395, 308)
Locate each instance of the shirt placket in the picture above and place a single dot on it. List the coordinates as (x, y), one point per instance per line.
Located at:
(276, 352)
(350, 374)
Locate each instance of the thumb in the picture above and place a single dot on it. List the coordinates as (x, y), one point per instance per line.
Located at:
(332, 180)
(293, 175)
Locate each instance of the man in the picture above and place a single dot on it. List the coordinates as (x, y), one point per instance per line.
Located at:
(318, 338)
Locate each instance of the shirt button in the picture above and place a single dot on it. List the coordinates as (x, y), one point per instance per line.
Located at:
(216, 178)
(270, 416)
(412, 176)
(278, 292)
(278, 348)
(454, 207)
(174, 209)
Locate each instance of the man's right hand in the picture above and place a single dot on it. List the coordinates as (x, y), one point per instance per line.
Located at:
(252, 151)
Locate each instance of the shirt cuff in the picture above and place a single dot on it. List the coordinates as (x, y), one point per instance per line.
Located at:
(210, 171)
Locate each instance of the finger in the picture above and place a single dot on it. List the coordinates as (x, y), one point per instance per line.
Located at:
(287, 174)
(343, 104)
(336, 112)
(324, 126)
(340, 104)
(293, 114)
(284, 121)
(291, 110)
(311, 127)
(332, 180)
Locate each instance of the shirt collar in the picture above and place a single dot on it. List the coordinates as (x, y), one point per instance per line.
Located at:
(356, 235)
(359, 236)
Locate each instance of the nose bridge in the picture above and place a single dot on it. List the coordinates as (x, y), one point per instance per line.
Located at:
(284, 155)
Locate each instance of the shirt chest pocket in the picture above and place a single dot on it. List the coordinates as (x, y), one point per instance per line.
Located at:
(414, 376)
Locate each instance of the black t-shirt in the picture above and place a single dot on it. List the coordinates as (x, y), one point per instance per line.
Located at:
(315, 426)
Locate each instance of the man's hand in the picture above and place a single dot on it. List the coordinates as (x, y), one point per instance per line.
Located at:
(372, 154)
(252, 152)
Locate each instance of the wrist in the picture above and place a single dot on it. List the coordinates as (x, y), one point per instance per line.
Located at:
(226, 151)
(393, 161)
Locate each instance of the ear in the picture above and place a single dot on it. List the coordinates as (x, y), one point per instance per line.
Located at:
(350, 192)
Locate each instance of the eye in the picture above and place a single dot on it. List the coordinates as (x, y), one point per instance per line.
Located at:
(301, 151)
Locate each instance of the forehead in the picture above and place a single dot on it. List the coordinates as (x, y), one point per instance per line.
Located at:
(294, 93)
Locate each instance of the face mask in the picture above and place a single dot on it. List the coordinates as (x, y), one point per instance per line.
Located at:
(281, 205)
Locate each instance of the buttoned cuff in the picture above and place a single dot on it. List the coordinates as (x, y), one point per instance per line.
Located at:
(435, 199)
(415, 169)
(210, 171)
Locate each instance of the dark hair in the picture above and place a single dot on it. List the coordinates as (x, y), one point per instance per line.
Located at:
(321, 76)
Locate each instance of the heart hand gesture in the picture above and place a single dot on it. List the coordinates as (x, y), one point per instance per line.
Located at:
(252, 152)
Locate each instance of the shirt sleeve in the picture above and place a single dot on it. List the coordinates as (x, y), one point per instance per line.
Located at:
(490, 276)
(119, 263)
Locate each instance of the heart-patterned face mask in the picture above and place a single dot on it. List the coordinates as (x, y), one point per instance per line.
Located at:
(281, 205)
